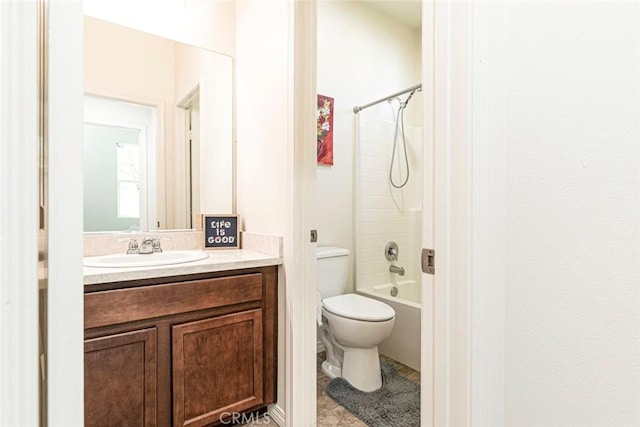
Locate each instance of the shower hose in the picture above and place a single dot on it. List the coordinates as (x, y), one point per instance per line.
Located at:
(400, 129)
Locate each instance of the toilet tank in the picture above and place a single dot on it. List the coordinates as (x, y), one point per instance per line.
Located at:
(333, 269)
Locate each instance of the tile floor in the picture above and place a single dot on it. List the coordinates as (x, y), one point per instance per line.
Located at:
(330, 413)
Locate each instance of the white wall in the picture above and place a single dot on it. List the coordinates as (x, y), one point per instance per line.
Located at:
(262, 138)
(262, 116)
(564, 134)
(207, 24)
(363, 55)
(127, 63)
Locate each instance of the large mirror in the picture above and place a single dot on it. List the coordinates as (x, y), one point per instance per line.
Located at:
(158, 131)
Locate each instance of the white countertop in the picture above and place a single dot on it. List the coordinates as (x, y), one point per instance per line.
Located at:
(220, 260)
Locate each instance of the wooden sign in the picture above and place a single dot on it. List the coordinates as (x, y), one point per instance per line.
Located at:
(220, 231)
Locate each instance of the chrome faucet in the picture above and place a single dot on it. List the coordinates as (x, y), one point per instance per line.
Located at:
(150, 245)
(146, 247)
(394, 269)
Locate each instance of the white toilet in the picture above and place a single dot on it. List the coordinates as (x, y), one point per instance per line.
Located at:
(351, 326)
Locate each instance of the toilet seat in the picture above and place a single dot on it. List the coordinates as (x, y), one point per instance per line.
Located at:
(357, 307)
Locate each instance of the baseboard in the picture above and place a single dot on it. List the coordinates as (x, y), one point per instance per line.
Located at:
(320, 347)
(277, 414)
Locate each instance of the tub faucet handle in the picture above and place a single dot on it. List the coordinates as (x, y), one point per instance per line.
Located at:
(391, 251)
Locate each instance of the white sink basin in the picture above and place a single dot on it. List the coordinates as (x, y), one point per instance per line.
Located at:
(146, 260)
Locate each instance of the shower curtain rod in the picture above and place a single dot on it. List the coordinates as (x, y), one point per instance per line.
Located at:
(357, 109)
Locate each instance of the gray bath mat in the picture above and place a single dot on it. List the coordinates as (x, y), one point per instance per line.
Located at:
(397, 403)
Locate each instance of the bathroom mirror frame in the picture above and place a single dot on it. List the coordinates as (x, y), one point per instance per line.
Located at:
(181, 174)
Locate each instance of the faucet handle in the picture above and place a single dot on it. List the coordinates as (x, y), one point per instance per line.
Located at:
(156, 245)
(391, 251)
(133, 245)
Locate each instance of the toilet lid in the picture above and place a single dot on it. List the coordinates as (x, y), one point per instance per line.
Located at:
(358, 307)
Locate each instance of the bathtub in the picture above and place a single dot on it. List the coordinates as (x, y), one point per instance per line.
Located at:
(403, 344)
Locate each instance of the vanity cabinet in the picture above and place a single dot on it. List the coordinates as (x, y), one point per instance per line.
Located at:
(180, 351)
(120, 374)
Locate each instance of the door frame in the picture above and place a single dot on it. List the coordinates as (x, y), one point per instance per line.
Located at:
(66, 289)
(447, 130)
(452, 214)
(19, 195)
(468, 308)
(61, 273)
(428, 282)
(300, 255)
(446, 325)
(451, 387)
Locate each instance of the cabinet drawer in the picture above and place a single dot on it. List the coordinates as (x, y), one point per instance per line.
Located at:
(131, 304)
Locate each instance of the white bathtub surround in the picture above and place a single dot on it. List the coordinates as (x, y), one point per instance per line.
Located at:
(383, 214)
(408, 291)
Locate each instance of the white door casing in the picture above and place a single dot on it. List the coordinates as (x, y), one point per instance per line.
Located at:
(427, 407)
(66, 291)
(300, 339)
(19, 365)
(452, 187)
(445, 320)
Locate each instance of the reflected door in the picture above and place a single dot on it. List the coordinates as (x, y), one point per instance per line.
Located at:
(119, 165)
(113, 189)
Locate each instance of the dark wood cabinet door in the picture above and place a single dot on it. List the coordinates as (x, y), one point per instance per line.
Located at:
(120, 377)
(217, 367)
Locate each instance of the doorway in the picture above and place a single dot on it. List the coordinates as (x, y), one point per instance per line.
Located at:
(119, 165)
(378, 46)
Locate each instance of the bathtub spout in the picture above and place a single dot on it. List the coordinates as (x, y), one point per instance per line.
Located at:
(394, 269)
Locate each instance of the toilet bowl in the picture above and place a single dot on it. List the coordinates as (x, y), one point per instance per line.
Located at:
(351, 326)
(354, 327)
